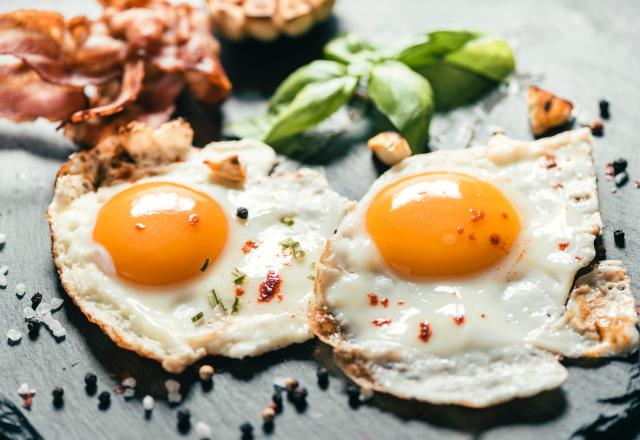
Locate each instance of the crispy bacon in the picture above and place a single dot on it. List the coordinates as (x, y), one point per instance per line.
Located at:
(137, 58)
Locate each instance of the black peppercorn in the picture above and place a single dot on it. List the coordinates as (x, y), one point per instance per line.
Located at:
(90, 379)
(277, 399)
(618, 237)
(604, 109)
(36, 299)
(353, 391)
(323, 377)
(57, 394)
(34, 329)
(247, 430)
(184, 420)
(242, 213)
(105, 399)
(597, 128)
(619, 165)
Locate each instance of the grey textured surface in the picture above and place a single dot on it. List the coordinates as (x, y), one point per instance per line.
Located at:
(581, 50)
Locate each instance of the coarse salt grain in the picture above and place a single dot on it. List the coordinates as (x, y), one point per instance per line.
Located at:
(129, 382)
(21, 289)
(43, 308)
(174, 397)
(23, 390)
(3, 238)
(56, 303)
(4, 269)
(29, 313)
(14, 335)
(59, 332)
(148, 403)
(3, 281)
(203, 430)
(172, 386)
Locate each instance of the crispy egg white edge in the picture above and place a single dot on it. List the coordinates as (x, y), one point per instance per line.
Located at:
(115, 319)
(480, 379)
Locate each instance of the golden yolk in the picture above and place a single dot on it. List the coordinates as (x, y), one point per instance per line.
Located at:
(160, 232)
(441, 223)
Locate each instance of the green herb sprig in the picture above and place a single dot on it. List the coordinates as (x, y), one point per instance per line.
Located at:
(435, 70)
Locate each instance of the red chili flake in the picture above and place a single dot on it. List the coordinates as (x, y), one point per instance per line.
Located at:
(563, 245)
(578, 257)
(494, 239)
(239, 291)
(425, 332)
(472, 236)
(476, 215)
(460, 229)
(458, 319)
(118, 389)
(385, 302)
(373, 299)
(381, 322)
(504, 215)
(269, 287)
(550, 161)
(248, 246)
(140, 226)
(194, 218)
(279, 296)
(400, 302)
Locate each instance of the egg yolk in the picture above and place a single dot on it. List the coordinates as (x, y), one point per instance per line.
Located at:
(161, 232)
(442, 223)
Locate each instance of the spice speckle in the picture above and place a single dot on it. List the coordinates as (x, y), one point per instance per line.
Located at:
(242, 213)
(619, 238)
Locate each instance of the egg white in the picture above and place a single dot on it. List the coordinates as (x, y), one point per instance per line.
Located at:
(157, 320)
(511, 310)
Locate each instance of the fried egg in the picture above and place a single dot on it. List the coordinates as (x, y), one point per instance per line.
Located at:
(451, 282)
(178, 252)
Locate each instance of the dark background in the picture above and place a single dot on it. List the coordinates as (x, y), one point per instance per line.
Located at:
(582, 50)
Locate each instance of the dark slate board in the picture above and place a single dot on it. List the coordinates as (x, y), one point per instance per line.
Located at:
(581, 50)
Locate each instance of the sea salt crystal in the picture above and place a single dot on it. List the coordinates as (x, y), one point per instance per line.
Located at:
(24, 390)
(4, 269)
(59, 332)
(43, 308)
(172, 386)
(29, 313)
(56, 303)
(3, 238)
(174, 397)
(14, 335)
(148, 403)
(203, 431)
(21, 289)
(129, 382)
(3, 281)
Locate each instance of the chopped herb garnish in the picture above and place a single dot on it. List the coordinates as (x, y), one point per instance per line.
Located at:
(214, 301)
(289, 243)
(312, 265)
(236, 305)
(205, 265)
(238, 277)
(287, 220)
(311, 277)
(197, 317)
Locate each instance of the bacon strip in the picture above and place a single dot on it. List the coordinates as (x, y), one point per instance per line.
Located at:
(138, 57)
(25, 97)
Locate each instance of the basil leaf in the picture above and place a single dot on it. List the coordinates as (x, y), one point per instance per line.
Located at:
(405, 98)
(315, 102)
(254, 127)
(453, 86)
(316, 71)
(489, 57)
(429, 48)
(349, 48)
